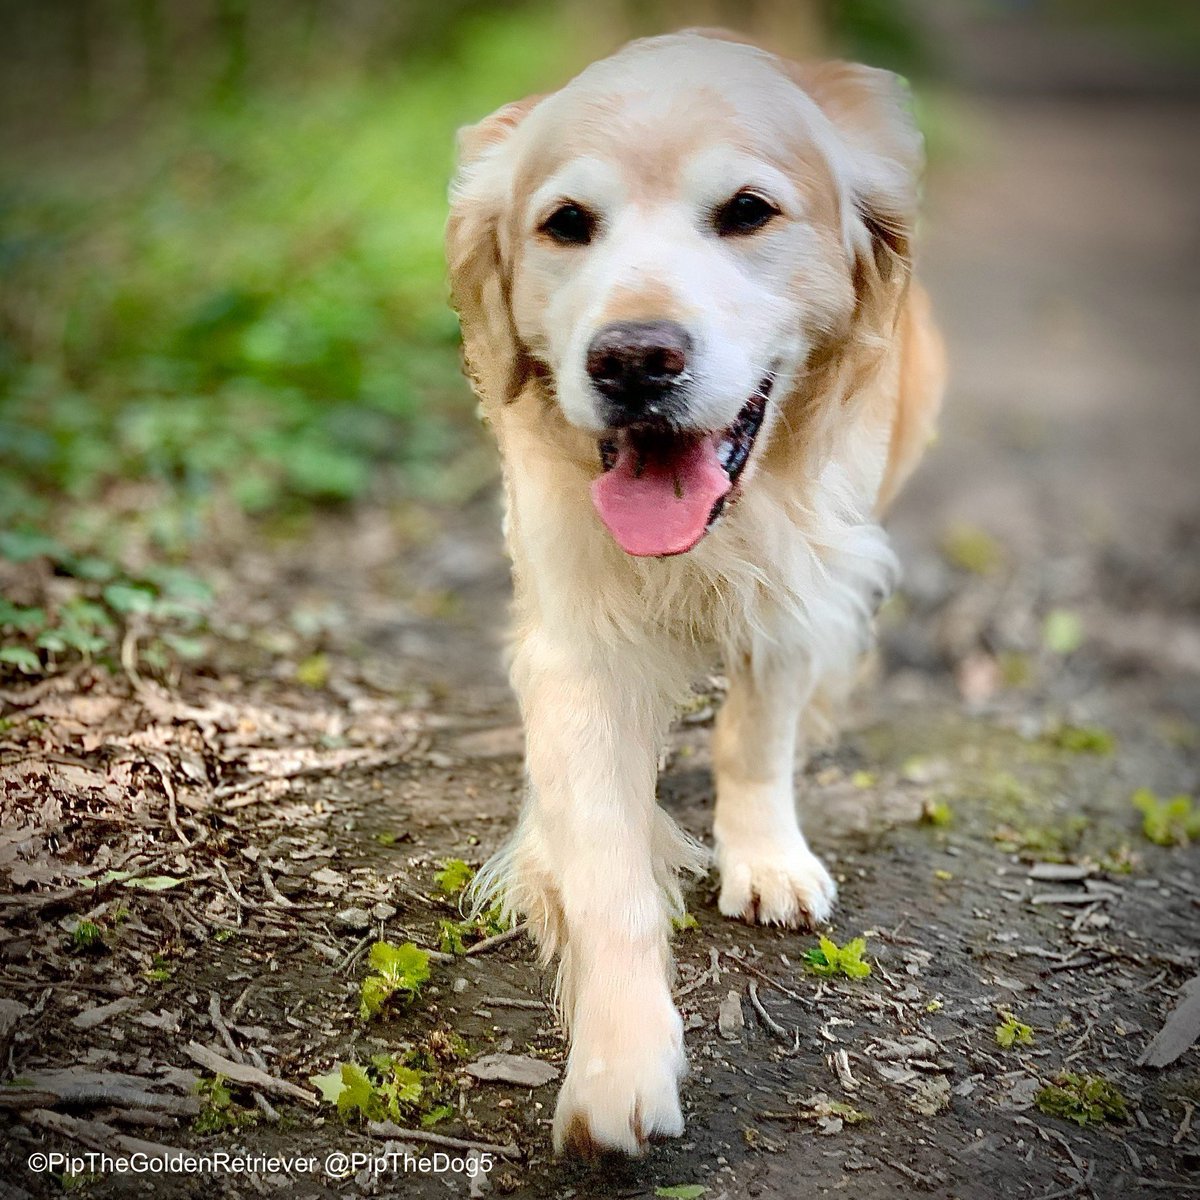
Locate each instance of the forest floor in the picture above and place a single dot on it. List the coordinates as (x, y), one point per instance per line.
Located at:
(290, 802)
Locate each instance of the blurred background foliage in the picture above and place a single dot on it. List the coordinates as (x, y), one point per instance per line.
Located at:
(222, 294)
(220, 237)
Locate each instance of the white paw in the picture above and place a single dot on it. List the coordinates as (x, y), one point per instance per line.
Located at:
(775, 884)
(619, 1095)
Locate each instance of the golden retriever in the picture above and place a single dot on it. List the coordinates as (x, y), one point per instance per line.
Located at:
(686, 296)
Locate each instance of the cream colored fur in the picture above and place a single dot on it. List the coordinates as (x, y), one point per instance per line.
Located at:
(782, 590)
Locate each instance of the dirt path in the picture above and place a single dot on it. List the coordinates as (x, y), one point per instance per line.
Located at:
(1058, 265)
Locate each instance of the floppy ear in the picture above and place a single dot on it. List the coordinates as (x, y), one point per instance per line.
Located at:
(479, 275)
(883, 159)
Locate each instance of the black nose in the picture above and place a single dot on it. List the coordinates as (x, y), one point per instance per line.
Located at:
(637, 366)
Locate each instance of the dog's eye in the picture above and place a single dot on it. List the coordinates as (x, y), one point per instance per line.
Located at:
(745, 213)
(570, 224)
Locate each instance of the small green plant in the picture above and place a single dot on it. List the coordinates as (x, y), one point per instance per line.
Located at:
(972, 549)
(396, 970)
(1062, 631)
(1010, 1032)
(417, 1082)
(87, 937)
(684, 922)
(79, 1183)
(1084, 1099)
(451, 939)
(218, 1110)
(349, 1088)
(454, 937)
(681, 1191)
(1082, 739)
(93, 599)
(437, 1114)
(937, 813)
(399, 1086)
(828, 958)
(454, 876)
(160, 969)
(1173, 822)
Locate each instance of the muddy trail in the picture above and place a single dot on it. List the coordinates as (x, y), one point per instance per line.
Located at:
(247, 837)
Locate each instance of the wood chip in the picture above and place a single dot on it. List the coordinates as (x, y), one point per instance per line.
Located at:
(730, 1018)
(1049, 872)
(1069, 898)
(841, 1065)
(520, 1069)
(91, 1017)
(1181, 1030)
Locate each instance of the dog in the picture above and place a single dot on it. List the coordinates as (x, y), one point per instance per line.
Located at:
(685, 288)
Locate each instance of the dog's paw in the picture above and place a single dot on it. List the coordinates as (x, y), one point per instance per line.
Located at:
(775, 885)
(620, 1100)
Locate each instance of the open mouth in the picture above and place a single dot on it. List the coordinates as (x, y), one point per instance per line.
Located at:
(663, 488)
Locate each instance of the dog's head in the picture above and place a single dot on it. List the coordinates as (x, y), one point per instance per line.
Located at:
(682, 248)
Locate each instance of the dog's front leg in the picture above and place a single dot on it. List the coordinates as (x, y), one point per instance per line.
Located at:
(768, 873)
(593, 853)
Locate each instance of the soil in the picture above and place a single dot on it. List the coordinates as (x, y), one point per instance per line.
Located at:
(1060, 252)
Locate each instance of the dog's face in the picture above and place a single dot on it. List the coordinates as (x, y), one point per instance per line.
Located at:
(666, 244)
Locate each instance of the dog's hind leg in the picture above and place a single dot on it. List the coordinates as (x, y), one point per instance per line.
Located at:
(768, 873)
(594, 865)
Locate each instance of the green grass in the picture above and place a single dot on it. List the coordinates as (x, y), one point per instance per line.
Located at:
(245, 303)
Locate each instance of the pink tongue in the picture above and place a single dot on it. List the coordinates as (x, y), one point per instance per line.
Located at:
(665, 508)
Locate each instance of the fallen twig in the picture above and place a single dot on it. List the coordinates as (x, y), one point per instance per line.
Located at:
(218, 1022)
(498, 939)
(96, 1134)
(245, 1074)
(389, 1129)
(767, 979)
(766, 1018)
(82, 1087)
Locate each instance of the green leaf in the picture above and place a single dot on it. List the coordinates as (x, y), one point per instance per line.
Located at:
(375, 993)
(1011, 1032)
(681, 1191)
(1080, 739)
(827, 958)
(187, 648)
(972, 549)
(1062, 631)
(357, 1097)
(21, 657)
(1084, 1099)
(850, 959)
(20, 618)
(313, 671)
(435, 1115)
(401, 1089)
(1173, 822)
(129, 597)
(397, 969)
(330, 1086)
(21, 545)
(405, 967)
(454, 876)
(450, 936)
